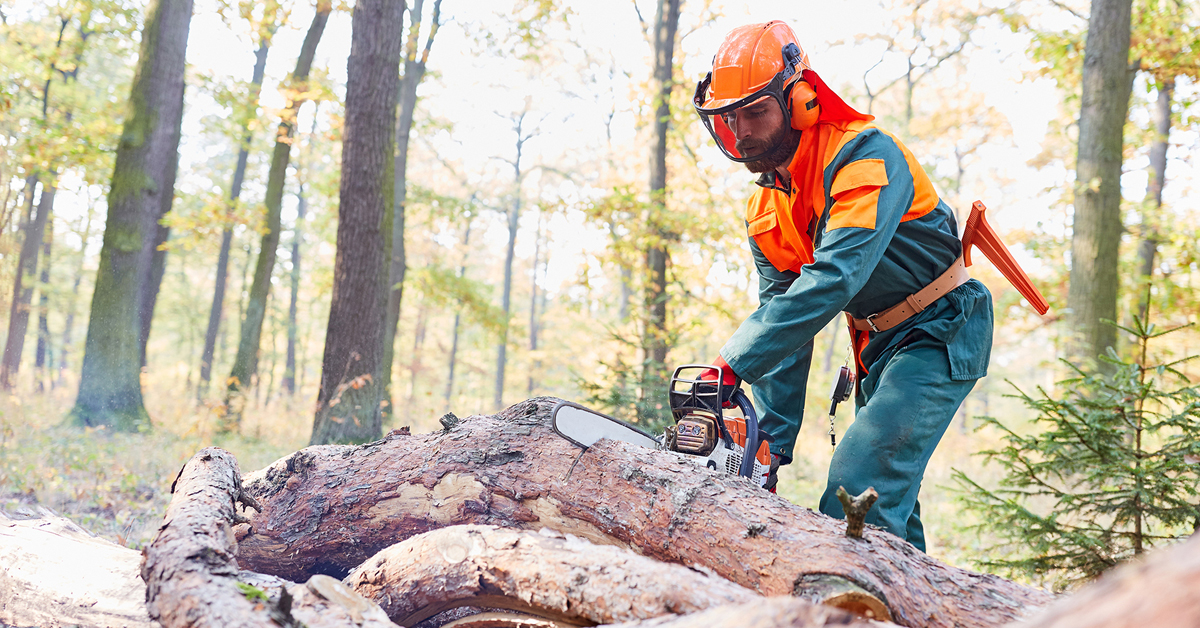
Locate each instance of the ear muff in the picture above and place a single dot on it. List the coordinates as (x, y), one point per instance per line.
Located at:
(802, 101)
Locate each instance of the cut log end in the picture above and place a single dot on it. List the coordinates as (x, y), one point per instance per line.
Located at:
(842, 593)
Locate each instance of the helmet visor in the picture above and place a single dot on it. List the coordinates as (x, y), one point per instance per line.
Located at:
(718, 114)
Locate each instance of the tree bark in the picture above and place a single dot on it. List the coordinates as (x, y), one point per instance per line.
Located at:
(666, 23)
(191, 572)
(18, 321)
(143, 178)
(514, 223)
(1096, 237)
(42, 352)
(289, 369)
(68, 326)
(414, 71)
(54, 573)
(348, 404)
(235, 192)
(1152, 209)
(1157, 591)
(327, 509)
(245, 365)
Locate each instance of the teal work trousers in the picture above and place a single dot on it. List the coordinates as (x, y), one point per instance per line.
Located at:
(904, 406)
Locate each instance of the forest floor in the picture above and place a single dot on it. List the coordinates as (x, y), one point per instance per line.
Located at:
(118, 485)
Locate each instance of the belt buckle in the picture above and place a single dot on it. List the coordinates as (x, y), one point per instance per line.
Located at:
(871, 322)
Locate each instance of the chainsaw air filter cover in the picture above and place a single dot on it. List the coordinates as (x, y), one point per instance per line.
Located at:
(696, 434)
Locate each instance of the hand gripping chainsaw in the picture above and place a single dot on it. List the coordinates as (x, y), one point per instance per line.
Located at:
(703, 432)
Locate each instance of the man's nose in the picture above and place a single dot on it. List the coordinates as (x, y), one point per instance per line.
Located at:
(741, 130)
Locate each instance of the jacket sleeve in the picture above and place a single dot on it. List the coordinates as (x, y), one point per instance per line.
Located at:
(779, 395)
(842, 264)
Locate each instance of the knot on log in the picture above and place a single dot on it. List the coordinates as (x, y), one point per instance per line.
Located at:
(856, 509)
(840, 592)
(449, 421)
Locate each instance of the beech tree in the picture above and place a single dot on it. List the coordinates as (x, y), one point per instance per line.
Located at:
(142, 186)
(266, 28)
(1096, 231)
(245, 365)
(415, 62)
(348, 404)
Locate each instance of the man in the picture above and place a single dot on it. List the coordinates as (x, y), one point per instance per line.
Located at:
(844, 219)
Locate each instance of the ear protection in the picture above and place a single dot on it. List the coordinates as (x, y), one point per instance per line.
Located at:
(802, 102)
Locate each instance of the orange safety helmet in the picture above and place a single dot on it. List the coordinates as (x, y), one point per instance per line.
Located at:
(754, 62)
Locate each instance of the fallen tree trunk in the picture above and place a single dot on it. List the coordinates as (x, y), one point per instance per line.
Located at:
(53, 573)
(327, 509)
(191, 571)
(548, 575)
(1161, 590)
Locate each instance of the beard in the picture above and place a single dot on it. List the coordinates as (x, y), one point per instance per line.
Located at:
(785, 141)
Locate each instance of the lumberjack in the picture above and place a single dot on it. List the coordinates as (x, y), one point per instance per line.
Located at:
(844, 219)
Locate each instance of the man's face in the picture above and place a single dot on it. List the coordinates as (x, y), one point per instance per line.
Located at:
(762, 128)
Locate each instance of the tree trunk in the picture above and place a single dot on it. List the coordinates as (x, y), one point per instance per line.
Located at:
(462, 272)
(154, 252)
(414, 71)
(549, 575)
(42, 353)
(18, 320)
(514, 222)
(191, 570)
(666, 23)
(109, 388)
(245, 365)
(326, 510)
(1107, 83)
(351, 391)
(53, 573)
(68, 326)
(1152, 208)
(536, 364)
(235, 192)
(1157, 591)
(289, 371)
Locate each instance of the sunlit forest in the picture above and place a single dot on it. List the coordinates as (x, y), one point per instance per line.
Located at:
(522, 244)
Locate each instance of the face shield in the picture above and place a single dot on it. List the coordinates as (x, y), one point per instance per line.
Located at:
(718, 114)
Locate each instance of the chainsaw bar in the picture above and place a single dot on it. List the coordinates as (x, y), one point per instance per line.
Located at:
(583, 427)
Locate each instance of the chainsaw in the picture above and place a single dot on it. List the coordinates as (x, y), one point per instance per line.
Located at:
(702, 432)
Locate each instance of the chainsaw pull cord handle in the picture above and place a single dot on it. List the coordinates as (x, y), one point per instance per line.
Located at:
(742, 401)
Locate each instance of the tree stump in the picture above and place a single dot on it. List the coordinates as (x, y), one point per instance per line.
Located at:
(327, 509)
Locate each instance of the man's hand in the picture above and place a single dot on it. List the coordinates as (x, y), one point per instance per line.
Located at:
(729, 380)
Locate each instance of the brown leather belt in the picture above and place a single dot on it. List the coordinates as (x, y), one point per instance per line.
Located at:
(954, 277)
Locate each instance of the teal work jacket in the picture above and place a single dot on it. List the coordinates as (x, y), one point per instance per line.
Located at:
(860, 229)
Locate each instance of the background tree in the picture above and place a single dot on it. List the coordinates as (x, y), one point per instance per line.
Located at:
(245, 365)
(351, 387)
(415, 62)
(110, 390)
(264, 27)
(1096, 232)
(656, 338)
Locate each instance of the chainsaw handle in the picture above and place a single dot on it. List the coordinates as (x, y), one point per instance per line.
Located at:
(742, 401)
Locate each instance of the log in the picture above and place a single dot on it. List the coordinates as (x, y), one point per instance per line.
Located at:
(327, 509)
(191, 570)
(773, 612)
(1162, 590)
(54, 573)
(549, 575)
